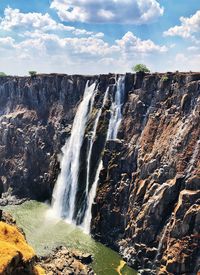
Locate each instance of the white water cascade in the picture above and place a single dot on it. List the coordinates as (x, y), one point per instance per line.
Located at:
(65, 191)
(93, 139)
(76, 185)
(88, 214)
(92, 193)
(116, 109)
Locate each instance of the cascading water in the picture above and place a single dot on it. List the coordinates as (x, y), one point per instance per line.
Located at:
(116, 109)
(88, 214)
(115, 120)
(91, 193)
(74, 193)
(65, 191)
(92, 140)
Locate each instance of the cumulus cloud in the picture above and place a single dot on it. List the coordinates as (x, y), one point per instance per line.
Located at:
(14, 19)
(132, 44)
(188, 28)
(101, 11)
(43, 44)
(48, 51)
(129, 44)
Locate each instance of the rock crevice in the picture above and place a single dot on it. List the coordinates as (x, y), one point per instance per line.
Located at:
(147, 201)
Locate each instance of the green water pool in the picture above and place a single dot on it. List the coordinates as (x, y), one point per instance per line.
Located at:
(45, 233)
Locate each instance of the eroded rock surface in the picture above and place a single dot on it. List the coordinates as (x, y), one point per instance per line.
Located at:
(35, 119)
(64, 262)
(147, 202)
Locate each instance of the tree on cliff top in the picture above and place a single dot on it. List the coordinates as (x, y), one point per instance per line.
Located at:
(32, 73)
(2, 74)
(140, 68)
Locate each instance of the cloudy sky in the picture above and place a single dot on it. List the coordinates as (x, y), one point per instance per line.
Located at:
(98, 36)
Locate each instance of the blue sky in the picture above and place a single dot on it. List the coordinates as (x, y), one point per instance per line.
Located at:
(99, 36)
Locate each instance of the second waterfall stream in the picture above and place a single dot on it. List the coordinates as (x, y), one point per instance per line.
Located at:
(66, 203)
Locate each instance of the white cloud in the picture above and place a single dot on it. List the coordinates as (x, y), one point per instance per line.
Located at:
(101, 11)
(182, 62)
(14, 19)
(188, 28)
(50, 52)
(132, 44)
(93, 46)
(6, 42)
(193, 49)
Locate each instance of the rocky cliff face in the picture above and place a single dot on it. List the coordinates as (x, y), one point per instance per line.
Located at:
(35, 118)
(147, 202)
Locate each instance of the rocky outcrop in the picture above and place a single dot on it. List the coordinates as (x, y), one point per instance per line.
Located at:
(18, 258)
(147, 202)
(64, 262)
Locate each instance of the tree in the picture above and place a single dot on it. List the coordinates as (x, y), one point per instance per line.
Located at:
(2, 74)
(140, 68)
(32, 73)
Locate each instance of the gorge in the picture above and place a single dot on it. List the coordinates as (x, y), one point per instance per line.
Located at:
(129, 171)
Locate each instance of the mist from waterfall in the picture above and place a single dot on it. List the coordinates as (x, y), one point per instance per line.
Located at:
(116, 109)
(66, 187)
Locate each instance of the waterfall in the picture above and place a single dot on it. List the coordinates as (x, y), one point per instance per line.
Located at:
(92, 142)
(116, 109)
(88, 214)
(91, 193)
(76, 186)
(65, 191)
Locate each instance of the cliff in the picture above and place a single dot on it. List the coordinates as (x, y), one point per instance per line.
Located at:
(36, 115)
(147, 201)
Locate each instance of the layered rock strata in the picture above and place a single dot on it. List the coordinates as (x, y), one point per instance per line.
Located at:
(147, 202)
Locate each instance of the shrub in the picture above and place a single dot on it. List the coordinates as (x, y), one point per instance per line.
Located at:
(164, 78)
(2, 74)
(32, 73)
(141, 68)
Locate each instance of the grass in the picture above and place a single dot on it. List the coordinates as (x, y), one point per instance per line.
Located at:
(14, 246)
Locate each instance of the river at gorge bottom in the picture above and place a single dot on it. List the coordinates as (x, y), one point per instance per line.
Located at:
(45, 233)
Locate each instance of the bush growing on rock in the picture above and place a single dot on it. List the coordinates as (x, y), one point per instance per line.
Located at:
(32, 73)
(140, 68)
(2, 74)
(164, 78)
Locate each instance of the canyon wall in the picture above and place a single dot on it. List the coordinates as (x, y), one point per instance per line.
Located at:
(36, 115)
(147, 201)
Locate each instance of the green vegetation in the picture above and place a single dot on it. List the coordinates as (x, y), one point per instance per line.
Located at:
(140, 68)
(164, 78)
(32, 73)
(2, 74)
